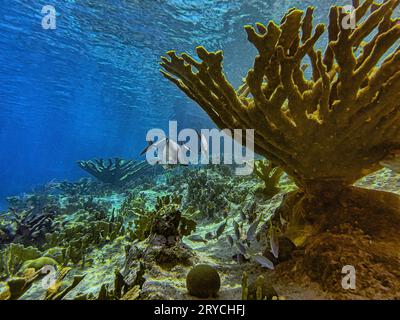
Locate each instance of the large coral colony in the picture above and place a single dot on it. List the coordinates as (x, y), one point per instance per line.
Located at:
(286, 231)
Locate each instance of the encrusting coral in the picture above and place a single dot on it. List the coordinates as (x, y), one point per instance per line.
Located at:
(326, 131)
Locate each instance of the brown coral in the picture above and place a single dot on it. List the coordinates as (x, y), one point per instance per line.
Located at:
(337, 125)
(326, 131)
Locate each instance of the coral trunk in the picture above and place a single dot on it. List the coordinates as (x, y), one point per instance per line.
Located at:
(337, 226)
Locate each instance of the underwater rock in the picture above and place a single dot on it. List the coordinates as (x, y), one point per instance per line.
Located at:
(353, 229)
(203, 281)
(172, 255)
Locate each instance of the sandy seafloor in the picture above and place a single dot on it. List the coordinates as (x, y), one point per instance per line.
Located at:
(169, 284)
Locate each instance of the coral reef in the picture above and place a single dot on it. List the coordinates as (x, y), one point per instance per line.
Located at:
(165, 224)
(326, 131)
(93, 263)
(162, 230)
(32, 227)
(208, 192)
(17, 286)
(84, 186)
(113, 171)
(83, 235)
(26, 226)
(133, 205)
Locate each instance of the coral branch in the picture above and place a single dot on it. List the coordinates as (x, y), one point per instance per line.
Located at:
(113, 171)
(337, 125)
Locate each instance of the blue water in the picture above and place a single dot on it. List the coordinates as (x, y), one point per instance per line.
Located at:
(92, 87)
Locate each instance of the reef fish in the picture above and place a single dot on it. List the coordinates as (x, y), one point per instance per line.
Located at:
(229, 239)
(392, 161)
(171, 152)
(239, 258)
(220, 230)
(264, 262)
(241, 248)
(237, 230)
(243, 216)
(209, 236)
(197, 238)
(274, 243)
(251, 233)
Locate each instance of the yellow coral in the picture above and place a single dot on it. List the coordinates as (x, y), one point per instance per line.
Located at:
(270, 175)
(332, 128)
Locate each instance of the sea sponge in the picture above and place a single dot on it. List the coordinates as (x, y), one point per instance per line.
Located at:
(203, 281)
(39, 263)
